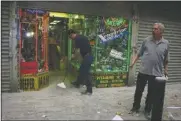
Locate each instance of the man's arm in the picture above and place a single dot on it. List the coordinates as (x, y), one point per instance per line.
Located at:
(134, 60)
(166, 58)
(140, 53)
(76, 53)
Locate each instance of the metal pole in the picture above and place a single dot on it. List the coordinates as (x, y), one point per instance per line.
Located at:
(158, 100)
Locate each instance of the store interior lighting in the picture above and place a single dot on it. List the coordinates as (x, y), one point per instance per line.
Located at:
(76, 17)
(55, 22)
(29, 34)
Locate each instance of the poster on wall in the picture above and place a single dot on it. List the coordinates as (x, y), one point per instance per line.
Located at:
(113, 44)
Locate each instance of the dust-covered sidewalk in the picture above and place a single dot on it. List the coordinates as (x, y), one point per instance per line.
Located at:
(54, 103)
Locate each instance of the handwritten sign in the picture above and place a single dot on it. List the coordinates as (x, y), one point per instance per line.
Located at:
(110, 85)
(113, 35)
(115, 21)
(116, 54)
(110, 80)
(33, 11)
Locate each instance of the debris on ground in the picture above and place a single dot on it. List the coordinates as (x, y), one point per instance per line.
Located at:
(117, 117)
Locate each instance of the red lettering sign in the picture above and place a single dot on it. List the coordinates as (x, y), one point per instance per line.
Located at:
(29, 67)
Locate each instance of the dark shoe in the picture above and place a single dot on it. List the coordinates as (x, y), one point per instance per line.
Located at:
(134, 110)
(86, 93)
(147, 115)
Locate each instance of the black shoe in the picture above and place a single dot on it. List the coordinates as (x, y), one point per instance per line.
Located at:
(134, 110)
(147, 115)
(86, 93)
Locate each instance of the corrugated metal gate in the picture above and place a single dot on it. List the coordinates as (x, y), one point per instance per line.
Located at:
(173, 35)
(5, 47)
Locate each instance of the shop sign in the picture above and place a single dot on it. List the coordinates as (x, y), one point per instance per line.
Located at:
(115, 21)
(116, 54)
(110, 85)
(29, 67)
(33, 11)
(113, 35)
(110, 78)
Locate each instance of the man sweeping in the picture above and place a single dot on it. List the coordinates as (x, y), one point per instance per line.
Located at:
(83, 47)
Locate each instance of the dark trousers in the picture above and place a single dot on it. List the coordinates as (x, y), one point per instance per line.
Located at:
(84, 72)
(158, 101)
(142, 80)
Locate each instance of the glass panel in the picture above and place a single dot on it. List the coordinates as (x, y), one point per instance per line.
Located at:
(110, 41)
(112, 45)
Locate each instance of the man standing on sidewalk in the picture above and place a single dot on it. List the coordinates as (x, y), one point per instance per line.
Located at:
(83, 47)
(154, 53)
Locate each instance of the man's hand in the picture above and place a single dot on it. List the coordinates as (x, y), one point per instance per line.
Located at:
(134, 61)
(166, 72)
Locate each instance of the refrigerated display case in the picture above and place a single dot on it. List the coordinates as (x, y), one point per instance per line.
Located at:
(110, 38)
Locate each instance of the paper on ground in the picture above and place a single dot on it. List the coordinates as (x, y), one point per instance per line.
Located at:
(174, 107)
(61, 85)
(117, 117)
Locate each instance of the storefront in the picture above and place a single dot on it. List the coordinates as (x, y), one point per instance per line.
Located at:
(110, 39)
(33, 48)
(138, 24)
(104, 30)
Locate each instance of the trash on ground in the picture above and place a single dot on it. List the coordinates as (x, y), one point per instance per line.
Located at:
(117, 117)
(119, 103)
(170, 116)
(61, 85)
(174, 107)
(44, 116)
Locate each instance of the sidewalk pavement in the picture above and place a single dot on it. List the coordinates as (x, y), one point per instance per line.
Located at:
(54, 103)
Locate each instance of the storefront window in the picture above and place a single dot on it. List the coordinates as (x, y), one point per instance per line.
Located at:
(33, 40)
(112, 45)
(110, 41)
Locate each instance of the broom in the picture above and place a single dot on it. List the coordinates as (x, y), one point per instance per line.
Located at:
(62, 84)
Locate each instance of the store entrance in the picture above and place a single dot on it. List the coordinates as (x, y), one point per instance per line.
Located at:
(58, 42)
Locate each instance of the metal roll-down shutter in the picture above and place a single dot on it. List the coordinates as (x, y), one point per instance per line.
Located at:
(173, 35)
(5, 47)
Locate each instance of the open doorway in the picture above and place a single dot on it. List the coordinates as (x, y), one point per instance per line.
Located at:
(58, 41)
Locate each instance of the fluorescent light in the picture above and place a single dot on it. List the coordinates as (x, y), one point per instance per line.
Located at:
(32, 33)
(56, 21)
(53, 23)
(76, 17)
(29, 34)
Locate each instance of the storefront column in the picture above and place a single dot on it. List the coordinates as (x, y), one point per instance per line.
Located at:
(14, 51)
(132, 72)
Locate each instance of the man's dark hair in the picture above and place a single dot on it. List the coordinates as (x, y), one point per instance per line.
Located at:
(71, 31)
